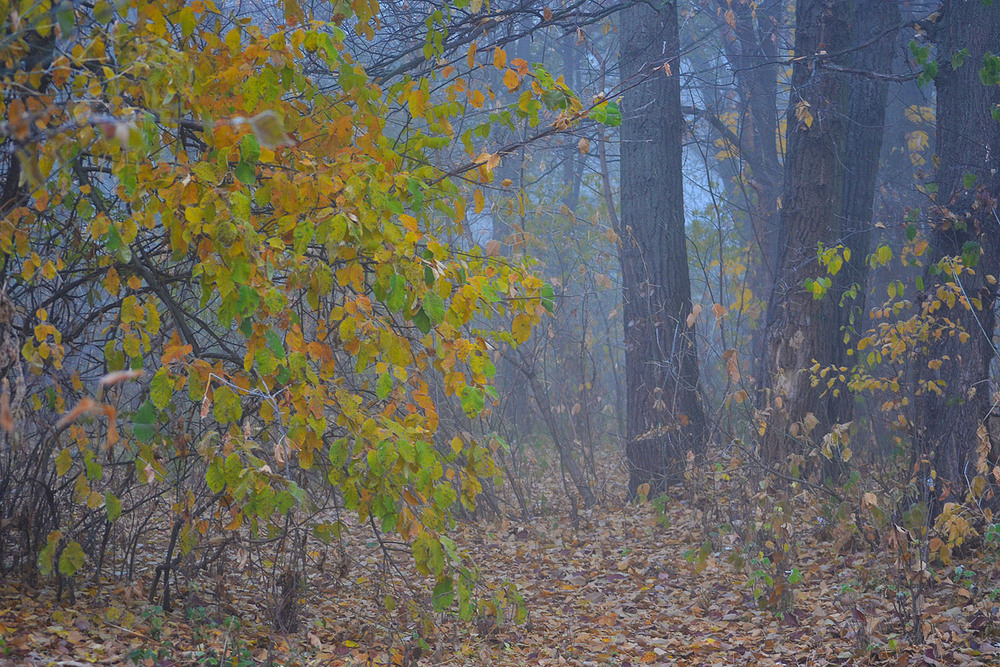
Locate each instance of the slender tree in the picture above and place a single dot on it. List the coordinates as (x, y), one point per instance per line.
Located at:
(873, 33)
(665, 415)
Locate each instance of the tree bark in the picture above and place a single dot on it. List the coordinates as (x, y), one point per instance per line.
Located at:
(871, 25)
(963, 219)
(802, 330)
(665, 415)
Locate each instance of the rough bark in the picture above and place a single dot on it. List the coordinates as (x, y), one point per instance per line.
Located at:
(871, 25)
(968, 148)
(753, 54)
(801, 330)
(665, 415)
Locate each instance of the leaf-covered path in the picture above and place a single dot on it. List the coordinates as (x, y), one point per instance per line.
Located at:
(617, 589)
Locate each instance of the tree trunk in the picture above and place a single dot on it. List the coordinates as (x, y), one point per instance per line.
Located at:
(802, 330)
(753, 55)
(963, 222)
(871, 25)
(665, 416)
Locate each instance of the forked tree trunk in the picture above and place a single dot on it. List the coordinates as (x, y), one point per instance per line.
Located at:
(665, 415)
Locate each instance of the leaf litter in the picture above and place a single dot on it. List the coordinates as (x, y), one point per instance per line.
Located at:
(616, 588)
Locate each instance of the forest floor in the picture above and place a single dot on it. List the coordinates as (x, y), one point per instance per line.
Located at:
(616, 588)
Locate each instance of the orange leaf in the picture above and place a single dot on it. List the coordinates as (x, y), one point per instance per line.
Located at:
(499, 58)
(85, 405)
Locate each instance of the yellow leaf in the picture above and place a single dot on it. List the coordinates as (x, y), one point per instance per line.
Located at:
(233, 41)
(471, 57)
(499, 58)
(521, 328)
(417, 102)
(112, 283)
(479, 201)
(409, 222)
(511, 80)
(803, 114)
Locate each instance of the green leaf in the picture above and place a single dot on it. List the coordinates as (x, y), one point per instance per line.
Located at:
(249, 149)
(245, 173)
(47, 555)
(444, 594)
(241, 271)
(144, 422)
(226, 405)
(397, 293)
(187, 21)
(338, 452)
(607, 113)
(473, 400)
(990, 72)
(275, 345)
(969, 180)
(383, 386)
(434, 307)
(161, 389)
(247, 301)
(911, 232)
(445, 496)
(71, 559)
(214, 476)
(970, 254)
(421, 321)
(112, 506)
(63, 462)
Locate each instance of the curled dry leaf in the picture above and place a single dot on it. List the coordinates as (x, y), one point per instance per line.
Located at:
(85, 406)
(693, 315)
(6, 419)
(119, 376)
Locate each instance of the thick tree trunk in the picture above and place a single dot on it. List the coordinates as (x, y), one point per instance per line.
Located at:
(964, 219)
(870, 25)
(834, 139)
(802, 330)
(665, 415)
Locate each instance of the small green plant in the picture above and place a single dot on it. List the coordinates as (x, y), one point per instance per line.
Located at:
(660, 505)
(759, 579)
(992, 541)
(154, 616)
(698, 558)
